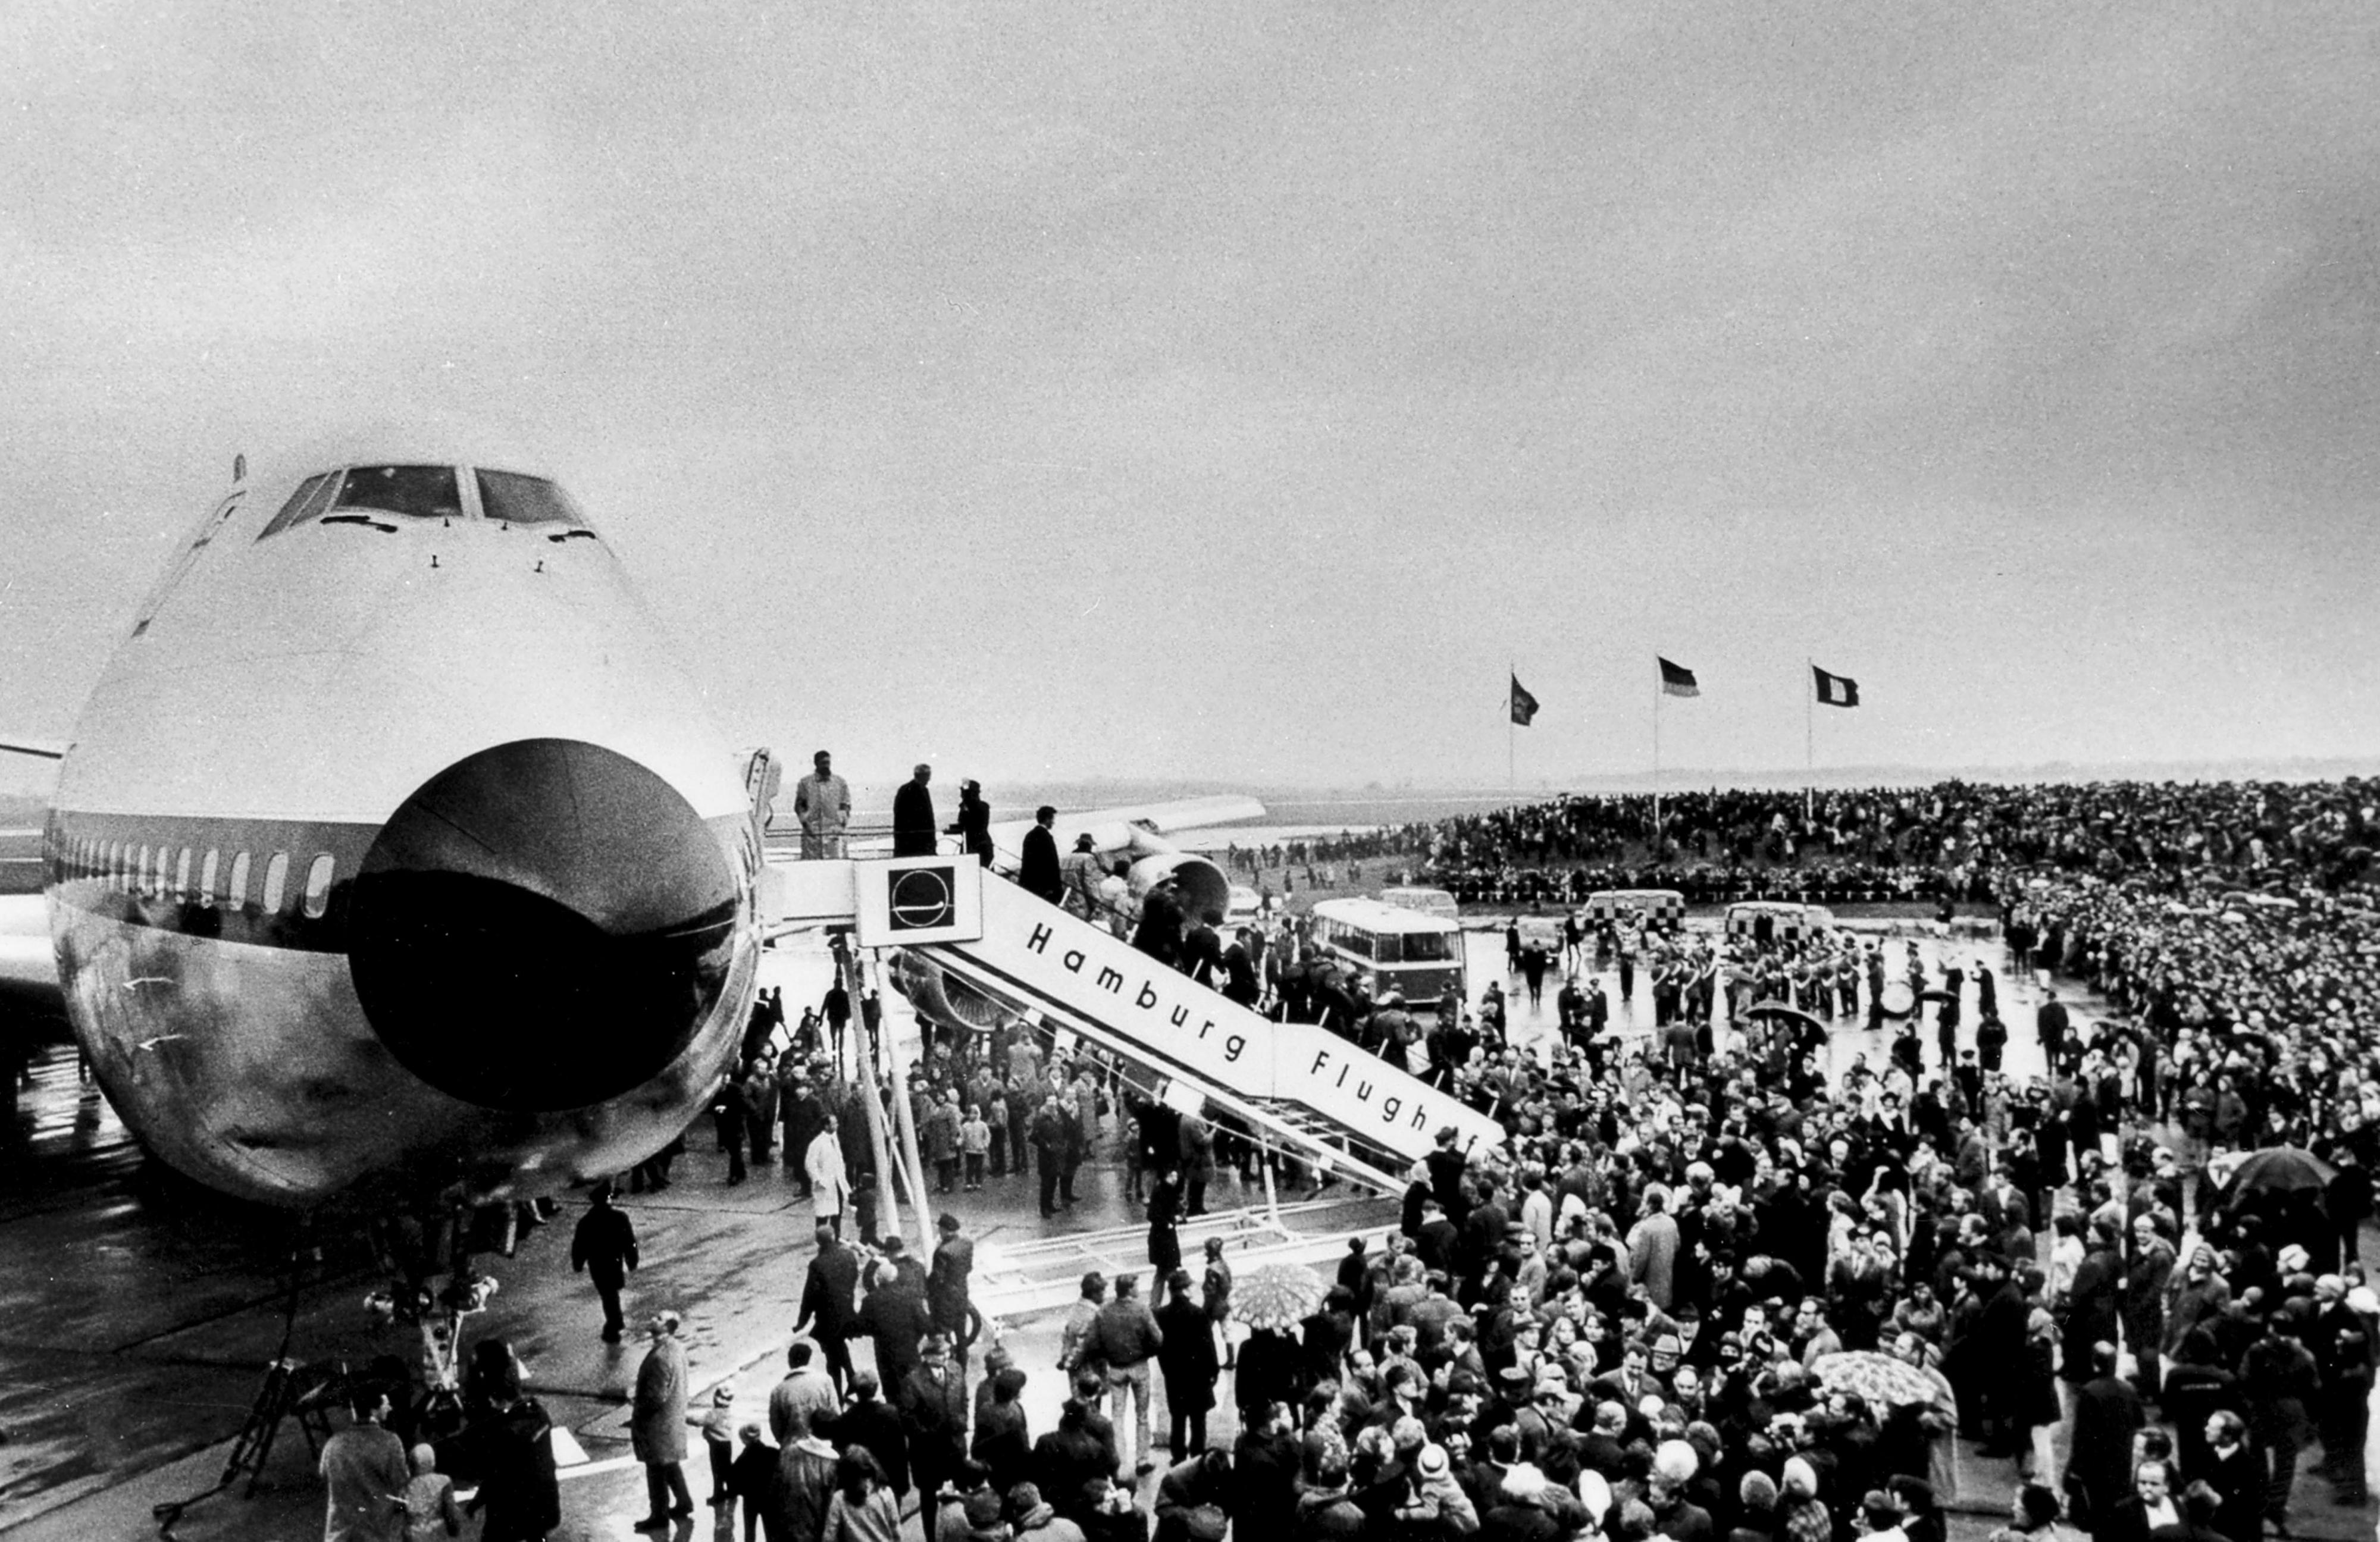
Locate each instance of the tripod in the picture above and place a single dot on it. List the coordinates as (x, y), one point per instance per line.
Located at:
(290, 1391)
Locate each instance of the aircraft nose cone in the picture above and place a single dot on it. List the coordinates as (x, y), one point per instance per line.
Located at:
(540, 926)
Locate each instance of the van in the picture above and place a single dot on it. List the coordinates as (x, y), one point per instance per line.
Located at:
(1654, 907)
(1777, 920)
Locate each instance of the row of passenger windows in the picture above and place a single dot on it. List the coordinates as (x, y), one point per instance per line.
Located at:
(182, 875)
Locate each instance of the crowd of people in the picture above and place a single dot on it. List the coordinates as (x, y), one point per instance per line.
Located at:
(1708, 1286)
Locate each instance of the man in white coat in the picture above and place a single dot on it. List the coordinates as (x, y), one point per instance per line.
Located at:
(829, 1185)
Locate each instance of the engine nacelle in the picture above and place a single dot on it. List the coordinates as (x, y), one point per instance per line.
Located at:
(1197, 884)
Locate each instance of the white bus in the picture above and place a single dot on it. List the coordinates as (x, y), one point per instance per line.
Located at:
(1394, 949)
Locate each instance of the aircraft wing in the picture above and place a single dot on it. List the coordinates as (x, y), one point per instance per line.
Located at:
(1107, 825)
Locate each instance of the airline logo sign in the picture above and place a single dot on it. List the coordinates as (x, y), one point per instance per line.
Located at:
(916, 900)
(1093, 973)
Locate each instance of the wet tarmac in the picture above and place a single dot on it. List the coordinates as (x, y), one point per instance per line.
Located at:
(136, 1315)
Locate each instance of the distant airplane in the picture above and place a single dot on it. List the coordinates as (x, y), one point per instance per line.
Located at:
(391, 857)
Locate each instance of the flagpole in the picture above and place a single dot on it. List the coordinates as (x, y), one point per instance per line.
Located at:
(1511, 730)
(1809, 736)
(1656, 761)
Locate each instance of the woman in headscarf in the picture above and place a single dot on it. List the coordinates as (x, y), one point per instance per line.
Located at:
(1801, 1514)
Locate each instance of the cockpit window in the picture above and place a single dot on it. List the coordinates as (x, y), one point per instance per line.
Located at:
(518, 500)
(416, 491)
(306, 503)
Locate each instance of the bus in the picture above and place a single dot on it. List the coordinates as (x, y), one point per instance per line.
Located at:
(1429, 902)
(1393, 948)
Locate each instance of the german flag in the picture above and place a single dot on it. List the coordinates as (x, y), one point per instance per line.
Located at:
(1676, 679)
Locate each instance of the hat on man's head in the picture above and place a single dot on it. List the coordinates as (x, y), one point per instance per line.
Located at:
(949, 1221)
(983, 1510)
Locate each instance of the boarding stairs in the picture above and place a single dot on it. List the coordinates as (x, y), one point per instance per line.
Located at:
(1297, 1087)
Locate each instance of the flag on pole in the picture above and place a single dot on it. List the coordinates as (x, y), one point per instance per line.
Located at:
(1677, 680)
(1835, 691)
(1524, 705)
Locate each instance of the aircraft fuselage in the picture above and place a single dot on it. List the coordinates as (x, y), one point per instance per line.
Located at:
(392, 854)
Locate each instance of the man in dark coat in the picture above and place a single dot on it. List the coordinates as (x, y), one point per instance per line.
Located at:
(1037, 870)
(2107, 1415)
(895, 1315)
(2237, 1477)
(913, 815)
(1189, 1366)
(1265, 1472)
(2151, 1504)
(827, 1309)
(2050, 1022)
(2094, 1305)
(2000, 1360)
(947, 1283)
(868, 1424)
(604, 1246)
(933, 1408)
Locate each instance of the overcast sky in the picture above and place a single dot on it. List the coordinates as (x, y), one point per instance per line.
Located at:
(1233, 389)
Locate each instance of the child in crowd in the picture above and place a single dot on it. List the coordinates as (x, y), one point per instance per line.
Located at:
(430, 1508)
(718, 1426)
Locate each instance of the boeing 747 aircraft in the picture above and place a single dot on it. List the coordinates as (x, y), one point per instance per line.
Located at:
(390, 858)
(389, 854)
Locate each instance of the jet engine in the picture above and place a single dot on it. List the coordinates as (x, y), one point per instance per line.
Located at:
(1197, 884)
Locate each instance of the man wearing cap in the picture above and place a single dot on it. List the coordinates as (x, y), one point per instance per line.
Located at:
(822, 802)
(1082, 871)
(933, 1403)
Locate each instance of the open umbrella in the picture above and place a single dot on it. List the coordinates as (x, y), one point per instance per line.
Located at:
(2276, 1166)
(1794, 1013)
(1276, 1295)
(1883, 1380)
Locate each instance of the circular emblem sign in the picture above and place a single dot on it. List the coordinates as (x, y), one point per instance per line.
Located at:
(920, 899)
